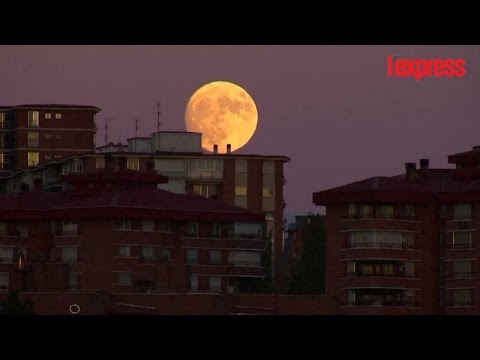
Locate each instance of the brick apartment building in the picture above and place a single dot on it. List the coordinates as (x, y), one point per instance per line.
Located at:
(34, 134)
(116, 232)
(406, 244)
(254, 182)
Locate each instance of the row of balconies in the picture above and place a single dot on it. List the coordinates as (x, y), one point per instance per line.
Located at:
(409, 303)
(223, 263)
(395, 274)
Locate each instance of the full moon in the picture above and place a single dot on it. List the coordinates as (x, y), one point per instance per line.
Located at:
(224, 113)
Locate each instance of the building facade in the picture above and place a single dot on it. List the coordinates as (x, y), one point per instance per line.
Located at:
(114, 231)
(253, 182)
(406, 244)
(35, 134)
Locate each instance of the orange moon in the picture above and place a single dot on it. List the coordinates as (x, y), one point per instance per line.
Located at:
(224, 113)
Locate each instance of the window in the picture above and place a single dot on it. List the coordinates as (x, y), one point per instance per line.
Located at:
(4, 160)
(194, 282)
(100, 163)
(191, 229)
(240, 166)
(408, 240)
(352, 211)
(77, 165)
(462, 211)
(58, 156)
(33, 119)
(165, 254)
(148, 225)
(69, 228)
(124, 250)
(6, 254)
(205, 164)
(216, 230)
(73, 280)
(367, 269)
(33, 158)
(207, 190)
(462, 269)
(462, 240)
(58, 136)
(240, 191)
(58, 116)
(269, 167)
(48, 116)
(33, 138)
(162, 226)
(215, 257)
(69, 254)
(462, 297)
(124, 224)
(386, 212)
(3, 228)
(125, 278)
(268, 192)
(410, 211)
(2, 120)
(133, 164)
(3, 281)
(48, 157)
(148, 252)
(388, 269)
(192, 256)
(351, 268)
(215, 283)
(366, 211)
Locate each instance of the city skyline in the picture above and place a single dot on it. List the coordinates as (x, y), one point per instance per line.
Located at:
(331, 109)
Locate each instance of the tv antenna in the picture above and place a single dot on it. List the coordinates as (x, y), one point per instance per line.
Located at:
(106, 129)
(136, 127)
(159, 114)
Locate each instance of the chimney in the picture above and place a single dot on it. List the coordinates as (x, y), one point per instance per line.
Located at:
(410, 169)
(215, 148)
(424, 165)
(37, 185)
(229, 148)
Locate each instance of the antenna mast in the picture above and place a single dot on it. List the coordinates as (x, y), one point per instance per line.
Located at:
(159, 114)
(106, 129)
(136, 127)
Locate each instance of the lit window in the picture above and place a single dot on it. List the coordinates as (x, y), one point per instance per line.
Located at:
(388, 269)
(125, 278)
(58, 116)
(124, 224)
(48, 116)
(2, 120)
(215, 283)
(124, 250)
(33, 119)
(205, 190)
(462, 297)
(366, 211)
(100, 163)
(410, 211)
(462, 269)
(148, 252)
(33, 139)
(33, 158)
(268, 192)
(240, 191)
(58, 136)
(386, 212)
(4, 160)
(133, 164)
(462, 240)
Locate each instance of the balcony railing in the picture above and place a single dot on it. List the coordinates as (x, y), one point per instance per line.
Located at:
(380, 217)
(395, 274)
(460, 246)
(67, 233)
(380, 303)
(379, 244)
(463, 275)
(244, 263)
(461, 303)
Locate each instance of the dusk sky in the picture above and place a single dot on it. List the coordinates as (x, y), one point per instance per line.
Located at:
(331, 109)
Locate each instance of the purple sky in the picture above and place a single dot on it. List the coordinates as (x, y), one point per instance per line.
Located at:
(331, 109)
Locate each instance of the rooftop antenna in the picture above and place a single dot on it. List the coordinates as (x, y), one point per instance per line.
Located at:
(136, 127)
(159, 114)
(106, 129)
(135, 141)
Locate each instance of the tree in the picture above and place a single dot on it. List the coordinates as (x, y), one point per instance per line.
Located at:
(308, 276)
(15, 305)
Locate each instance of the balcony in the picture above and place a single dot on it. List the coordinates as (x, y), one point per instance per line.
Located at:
(73, 232)
(460, 246)
(205, 175)
(380, 303)
(395, 274)
(380, 245)
(244, 263)
(401, 224)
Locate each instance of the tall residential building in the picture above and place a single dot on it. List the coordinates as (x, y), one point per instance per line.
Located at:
(114, 231)
(254, 182)
(35, 134)
(406, 244)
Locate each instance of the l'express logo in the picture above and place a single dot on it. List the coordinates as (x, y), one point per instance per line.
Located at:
(419, 68)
